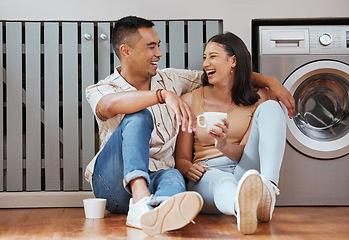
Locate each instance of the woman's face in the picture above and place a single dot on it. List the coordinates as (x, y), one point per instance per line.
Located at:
(217, 64)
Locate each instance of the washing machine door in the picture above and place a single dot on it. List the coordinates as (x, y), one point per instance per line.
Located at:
(320, 126)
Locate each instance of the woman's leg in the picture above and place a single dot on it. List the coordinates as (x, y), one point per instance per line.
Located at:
(217, 186)
(124, 158)
(266, 144)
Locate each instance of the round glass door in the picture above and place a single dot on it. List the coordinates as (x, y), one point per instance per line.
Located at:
(320, 126)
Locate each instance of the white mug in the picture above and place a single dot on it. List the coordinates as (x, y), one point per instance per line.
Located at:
(210, 119)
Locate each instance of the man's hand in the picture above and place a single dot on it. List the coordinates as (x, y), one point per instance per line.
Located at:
(184, 115)
(279, 93)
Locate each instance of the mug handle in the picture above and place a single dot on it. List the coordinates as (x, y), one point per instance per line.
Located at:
(198, 121)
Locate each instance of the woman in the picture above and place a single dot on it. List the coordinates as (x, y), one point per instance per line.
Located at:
(223, 164)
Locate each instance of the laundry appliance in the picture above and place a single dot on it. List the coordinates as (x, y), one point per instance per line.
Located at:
(311, 59)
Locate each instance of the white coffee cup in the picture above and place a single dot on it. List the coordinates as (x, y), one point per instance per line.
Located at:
(210, 119)
(94, 207)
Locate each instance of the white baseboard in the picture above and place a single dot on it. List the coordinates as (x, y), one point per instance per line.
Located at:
(43, 199)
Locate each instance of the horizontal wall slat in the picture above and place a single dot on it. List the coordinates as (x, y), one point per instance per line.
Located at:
(33, 106)
(14, 106)
(70, 107)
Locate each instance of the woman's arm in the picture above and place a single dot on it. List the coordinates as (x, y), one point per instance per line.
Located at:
(184, 152)
(234, 151)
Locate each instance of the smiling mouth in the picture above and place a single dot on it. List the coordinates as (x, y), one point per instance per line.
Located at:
(210, 73)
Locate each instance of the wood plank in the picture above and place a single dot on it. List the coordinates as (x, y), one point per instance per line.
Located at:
(311, 223)
(14, 106)
(47, 219)
(11, 221)
(51, 99)
(70, 107)
(87, 79)
(33, 106)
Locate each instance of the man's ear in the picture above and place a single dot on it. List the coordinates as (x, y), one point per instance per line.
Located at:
(124, 50)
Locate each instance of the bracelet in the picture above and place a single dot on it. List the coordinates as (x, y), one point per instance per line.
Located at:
(159, 96)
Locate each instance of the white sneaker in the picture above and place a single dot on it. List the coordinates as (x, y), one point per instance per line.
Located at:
(136, 211)
(267, 203)
(249, 192)
(174, 213)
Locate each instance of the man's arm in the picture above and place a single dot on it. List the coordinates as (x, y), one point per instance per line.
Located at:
(277, 91)
(133, 101)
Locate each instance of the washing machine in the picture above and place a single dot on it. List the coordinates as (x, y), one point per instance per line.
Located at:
(312, 62)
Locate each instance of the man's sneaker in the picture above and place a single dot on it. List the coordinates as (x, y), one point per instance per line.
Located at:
(174, 213)
(136, 211)
(249, 192)
(267, 203)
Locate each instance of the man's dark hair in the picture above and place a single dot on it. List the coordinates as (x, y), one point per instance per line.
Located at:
(242, 91)
(126, 29)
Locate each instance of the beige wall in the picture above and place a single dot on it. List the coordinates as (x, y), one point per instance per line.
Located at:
(236, 14)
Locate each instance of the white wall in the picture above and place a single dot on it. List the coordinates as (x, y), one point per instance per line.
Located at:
(236, 14)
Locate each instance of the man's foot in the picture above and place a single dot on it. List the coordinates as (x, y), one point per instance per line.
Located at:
(267, 203)
(175, 213)
(136, 210)
(249, 192)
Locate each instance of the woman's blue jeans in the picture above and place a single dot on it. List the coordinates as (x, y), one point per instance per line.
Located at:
(264, 152)
(126, 157)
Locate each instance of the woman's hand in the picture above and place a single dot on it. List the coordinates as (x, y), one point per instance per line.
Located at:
(196, 171)
(220, 135)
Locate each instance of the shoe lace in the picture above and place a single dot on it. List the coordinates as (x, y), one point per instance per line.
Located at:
(276, 190)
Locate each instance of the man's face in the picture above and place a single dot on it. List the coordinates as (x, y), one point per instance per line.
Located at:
(146, 52)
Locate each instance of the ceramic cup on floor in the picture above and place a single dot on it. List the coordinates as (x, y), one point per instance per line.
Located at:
(94, 207)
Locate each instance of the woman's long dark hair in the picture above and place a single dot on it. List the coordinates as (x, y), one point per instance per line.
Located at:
(242, 91)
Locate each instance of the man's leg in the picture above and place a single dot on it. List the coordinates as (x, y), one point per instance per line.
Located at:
(124, 162)
(177, 208)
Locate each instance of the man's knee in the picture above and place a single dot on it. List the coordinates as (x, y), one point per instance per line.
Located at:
(141, 118)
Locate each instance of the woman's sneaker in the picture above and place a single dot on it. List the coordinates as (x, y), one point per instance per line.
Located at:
(249, 193)
(175, 213)
(267, 203)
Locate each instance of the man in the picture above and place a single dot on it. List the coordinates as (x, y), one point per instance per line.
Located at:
(139, 113)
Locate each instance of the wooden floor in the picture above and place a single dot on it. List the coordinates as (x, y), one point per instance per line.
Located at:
(70, 223)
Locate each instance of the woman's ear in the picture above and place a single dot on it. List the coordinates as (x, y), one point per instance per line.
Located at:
(233, 61)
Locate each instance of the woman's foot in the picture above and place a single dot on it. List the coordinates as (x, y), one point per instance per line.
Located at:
(249, 193)
(267, 203)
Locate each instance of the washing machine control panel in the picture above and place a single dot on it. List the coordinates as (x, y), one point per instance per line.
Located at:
(328, 39)
(323, 40)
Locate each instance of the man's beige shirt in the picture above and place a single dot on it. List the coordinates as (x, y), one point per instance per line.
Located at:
(163, 138)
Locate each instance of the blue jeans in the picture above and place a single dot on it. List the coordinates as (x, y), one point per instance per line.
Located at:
(126, 157)
(264, 152)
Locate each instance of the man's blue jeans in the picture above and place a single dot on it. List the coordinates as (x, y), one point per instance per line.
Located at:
(126, 157)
